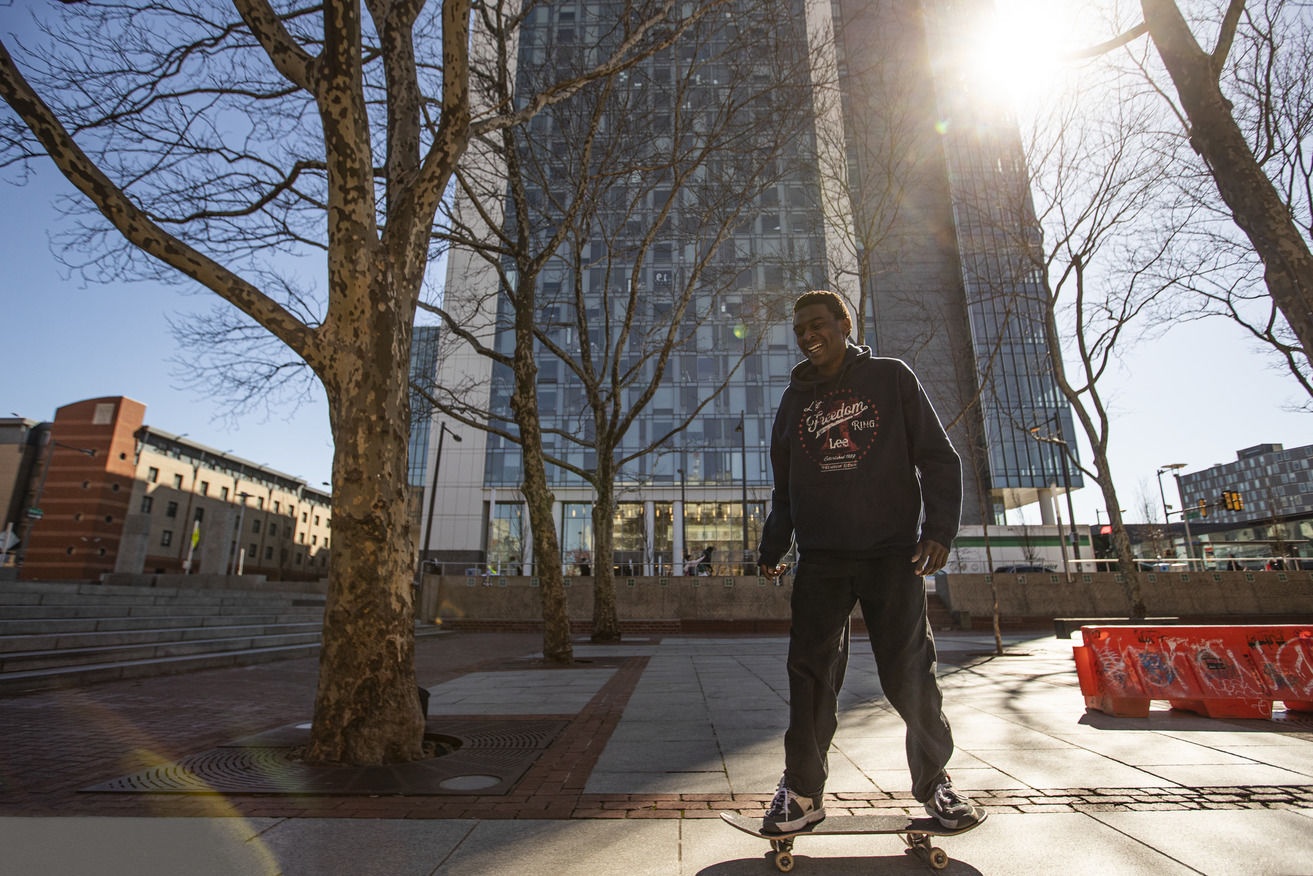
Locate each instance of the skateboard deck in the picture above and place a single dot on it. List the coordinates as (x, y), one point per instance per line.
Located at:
(916, 833)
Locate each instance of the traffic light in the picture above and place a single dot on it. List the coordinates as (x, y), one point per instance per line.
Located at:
(1237, 501)
(1232, 500)
(1203, 507)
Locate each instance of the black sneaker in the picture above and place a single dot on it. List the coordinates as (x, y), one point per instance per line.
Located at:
(950, 808)
(790, 812)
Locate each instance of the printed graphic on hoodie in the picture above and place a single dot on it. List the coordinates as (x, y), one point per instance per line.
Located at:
(837, 429)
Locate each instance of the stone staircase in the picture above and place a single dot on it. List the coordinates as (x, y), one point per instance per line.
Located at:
(63, 634)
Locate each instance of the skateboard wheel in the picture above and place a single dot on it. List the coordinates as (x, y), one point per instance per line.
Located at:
(938, 858)
(784, 861)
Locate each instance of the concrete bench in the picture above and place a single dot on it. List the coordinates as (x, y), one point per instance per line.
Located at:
(1063, 626)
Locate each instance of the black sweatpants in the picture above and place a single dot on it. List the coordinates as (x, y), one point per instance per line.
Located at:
(894, 608)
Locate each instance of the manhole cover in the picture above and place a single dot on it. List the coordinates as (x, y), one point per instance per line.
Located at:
(469, 783)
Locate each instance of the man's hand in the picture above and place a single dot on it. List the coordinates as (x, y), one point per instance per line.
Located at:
(770, 573)
(929, 558)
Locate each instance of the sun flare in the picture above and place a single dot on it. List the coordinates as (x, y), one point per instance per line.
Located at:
(1013, 53)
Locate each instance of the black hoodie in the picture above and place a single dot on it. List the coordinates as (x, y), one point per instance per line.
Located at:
(856, 458)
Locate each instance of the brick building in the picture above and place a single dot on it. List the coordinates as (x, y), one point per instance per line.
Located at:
(112, 494)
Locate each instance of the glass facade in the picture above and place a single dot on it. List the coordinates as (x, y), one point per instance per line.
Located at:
(423, 365)
(662, 253)
(720, 294)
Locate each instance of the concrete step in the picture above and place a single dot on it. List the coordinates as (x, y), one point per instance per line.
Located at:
(19, 661)
(114, 609)
(92, 639)
(30, 680)
(46, 679)
(38, 626)
(36, 592)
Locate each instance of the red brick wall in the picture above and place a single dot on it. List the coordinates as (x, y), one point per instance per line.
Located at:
(85, 498)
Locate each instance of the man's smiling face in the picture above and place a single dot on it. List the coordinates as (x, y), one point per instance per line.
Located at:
(822, 337)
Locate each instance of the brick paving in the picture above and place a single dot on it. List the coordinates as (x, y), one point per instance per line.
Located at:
(59, 742)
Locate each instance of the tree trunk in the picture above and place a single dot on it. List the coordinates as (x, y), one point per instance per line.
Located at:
(606, 621)
(1121, 543)
(366, 706)
(1255, 204)
(557, 647)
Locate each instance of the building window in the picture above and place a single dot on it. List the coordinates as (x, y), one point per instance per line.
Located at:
(200, 513)
(314, 539)
(255, 526)
(259, 502)
(205, 488)
(146, 502)
(166, 538)
(298, 558)
(316, 520)
(273, 529)
(304, 516)
(300, 536)
(278, 508)
(171, 510)
(223, 493)
(177, 482)
(152, 474)
(269, 553)
(252, 550)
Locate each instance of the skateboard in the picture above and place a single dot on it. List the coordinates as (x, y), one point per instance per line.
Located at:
(916, 832)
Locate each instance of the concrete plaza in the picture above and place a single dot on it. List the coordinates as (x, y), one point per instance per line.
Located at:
(662, 734)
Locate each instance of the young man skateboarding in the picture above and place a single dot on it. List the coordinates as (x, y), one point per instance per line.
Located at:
(869, 485)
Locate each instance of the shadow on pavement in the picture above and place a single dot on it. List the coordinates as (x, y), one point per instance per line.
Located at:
(905, 863)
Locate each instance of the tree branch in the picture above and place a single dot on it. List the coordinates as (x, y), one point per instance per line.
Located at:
(134, 224)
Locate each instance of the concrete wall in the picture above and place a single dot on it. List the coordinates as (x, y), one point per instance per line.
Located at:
(1182, 594)
(457, 597)
(215, 582)
(1021, 597)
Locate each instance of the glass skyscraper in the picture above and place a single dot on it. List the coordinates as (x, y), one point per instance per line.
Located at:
(933, 288)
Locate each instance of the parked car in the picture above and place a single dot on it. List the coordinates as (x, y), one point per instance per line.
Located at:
(1021, 568)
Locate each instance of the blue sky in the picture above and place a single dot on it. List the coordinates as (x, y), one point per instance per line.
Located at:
(1194, 396)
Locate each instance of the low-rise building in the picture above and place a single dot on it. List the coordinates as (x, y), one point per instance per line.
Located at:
(111, 494)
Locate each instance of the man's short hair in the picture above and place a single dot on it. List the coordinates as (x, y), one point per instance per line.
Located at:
(830, 300)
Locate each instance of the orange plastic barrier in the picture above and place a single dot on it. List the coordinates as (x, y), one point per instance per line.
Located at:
(1219, 671)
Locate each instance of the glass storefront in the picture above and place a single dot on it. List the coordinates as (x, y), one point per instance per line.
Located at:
(719, 525)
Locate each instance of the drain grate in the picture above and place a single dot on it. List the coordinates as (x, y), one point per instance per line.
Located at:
(498, 752)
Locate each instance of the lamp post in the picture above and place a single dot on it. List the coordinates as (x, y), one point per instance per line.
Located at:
(1167, 517)
(1066, 485)
(683, 513)
(433, 493)
(33, 513)
(237, 545)
(1189, 539)
(743, 464)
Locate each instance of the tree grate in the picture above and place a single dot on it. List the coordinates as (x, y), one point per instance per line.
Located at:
(497, 752)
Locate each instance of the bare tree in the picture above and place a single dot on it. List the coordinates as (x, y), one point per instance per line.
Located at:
(619, 249)
(1101, 191)
(214, 141)
(1255, 155)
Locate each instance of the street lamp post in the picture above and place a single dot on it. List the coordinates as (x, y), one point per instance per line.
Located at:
(743, 464)
(237, 545)
(433, 493)
(683, 513)
(1185, 521)
(1066, 485)
(1167, 517)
